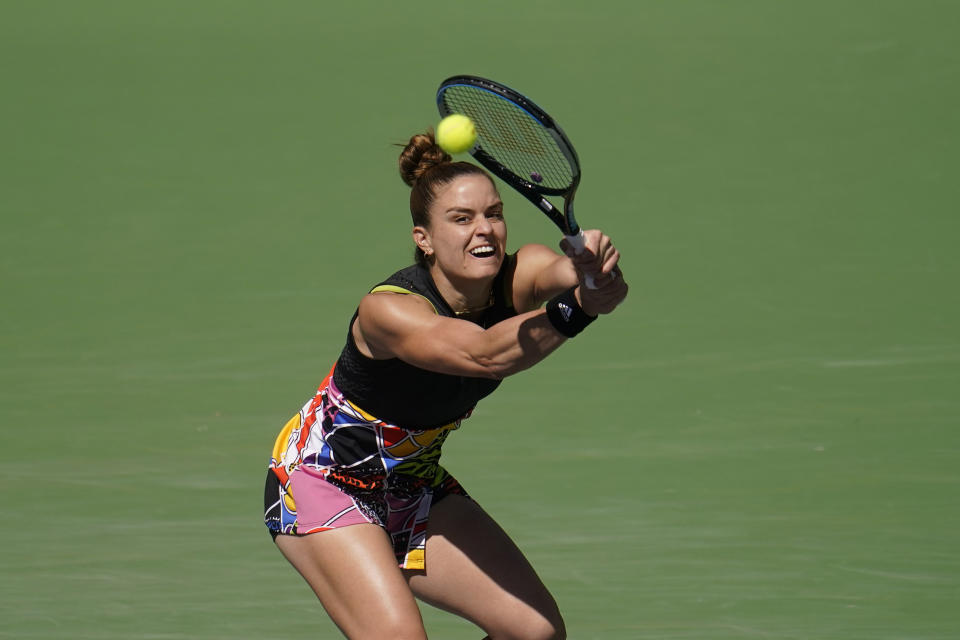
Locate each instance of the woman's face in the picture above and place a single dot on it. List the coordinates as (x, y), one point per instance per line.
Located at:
(467, 235)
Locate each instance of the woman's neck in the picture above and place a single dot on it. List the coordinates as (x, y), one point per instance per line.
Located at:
(465, 297)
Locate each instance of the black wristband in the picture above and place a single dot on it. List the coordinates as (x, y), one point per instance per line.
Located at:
(566, 315)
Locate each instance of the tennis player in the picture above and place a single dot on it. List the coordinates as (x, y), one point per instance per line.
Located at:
(356, 499)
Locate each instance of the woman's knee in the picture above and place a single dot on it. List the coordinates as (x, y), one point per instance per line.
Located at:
(549, 630)
(532, 627)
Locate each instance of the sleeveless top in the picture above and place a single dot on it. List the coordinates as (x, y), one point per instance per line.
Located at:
(408, 396)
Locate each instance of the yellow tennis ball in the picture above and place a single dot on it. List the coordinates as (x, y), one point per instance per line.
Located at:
(456, 133)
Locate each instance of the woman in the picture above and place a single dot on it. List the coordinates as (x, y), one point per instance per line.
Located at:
(356, 499)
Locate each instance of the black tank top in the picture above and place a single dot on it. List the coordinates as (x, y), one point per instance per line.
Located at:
(408, 396)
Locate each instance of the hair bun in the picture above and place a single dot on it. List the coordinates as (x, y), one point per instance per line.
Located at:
(420, 155)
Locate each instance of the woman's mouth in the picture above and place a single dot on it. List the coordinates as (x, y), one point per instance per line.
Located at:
(483, 251)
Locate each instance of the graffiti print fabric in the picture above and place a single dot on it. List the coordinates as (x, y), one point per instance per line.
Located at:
(380, 473)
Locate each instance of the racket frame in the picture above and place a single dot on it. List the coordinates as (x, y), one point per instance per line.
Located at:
(533, 192)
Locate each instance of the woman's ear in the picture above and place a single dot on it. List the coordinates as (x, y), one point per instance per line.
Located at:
(422, 237)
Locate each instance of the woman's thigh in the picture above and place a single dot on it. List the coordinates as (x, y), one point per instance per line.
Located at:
(475, 570)
(354, 573)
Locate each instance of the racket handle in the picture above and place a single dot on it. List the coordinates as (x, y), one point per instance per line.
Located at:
(577, 243)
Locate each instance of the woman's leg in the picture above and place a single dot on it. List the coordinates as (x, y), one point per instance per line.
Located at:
(474, 570)
(354, 573)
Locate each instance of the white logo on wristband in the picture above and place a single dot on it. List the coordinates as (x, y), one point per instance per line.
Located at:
(565, 311)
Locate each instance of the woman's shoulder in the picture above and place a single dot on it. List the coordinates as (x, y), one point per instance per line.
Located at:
(414, 281)
(410, 278)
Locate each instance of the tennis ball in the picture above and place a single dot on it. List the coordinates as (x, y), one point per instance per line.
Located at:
(456, 133)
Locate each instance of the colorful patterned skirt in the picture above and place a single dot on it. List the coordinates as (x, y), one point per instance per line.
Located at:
(334, 465)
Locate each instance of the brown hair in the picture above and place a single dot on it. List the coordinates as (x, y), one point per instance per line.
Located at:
(425, 167)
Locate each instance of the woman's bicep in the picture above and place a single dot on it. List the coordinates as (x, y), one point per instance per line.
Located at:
(406, 327)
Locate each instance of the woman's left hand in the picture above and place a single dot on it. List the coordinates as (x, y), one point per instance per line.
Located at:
(599, 257)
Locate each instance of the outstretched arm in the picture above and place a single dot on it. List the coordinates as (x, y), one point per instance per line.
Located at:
(401, 326)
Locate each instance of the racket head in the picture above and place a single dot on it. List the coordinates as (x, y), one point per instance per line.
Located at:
(516, 141)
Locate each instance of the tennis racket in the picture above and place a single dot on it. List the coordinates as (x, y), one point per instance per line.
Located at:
(521, 144)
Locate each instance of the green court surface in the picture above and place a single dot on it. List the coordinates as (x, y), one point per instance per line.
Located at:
(762, 442)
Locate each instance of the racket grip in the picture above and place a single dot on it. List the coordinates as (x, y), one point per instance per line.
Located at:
(576, 241)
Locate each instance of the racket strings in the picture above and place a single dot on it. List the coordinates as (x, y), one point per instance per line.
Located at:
(512, 136)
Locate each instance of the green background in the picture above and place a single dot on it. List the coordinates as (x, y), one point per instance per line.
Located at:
(762, 442)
